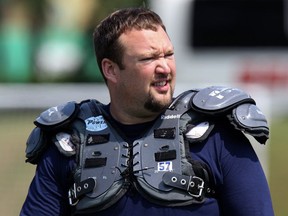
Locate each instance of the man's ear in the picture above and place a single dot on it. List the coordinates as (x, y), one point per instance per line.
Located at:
(109, 70)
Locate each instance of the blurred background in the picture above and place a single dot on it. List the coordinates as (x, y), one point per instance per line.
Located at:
(47, 58)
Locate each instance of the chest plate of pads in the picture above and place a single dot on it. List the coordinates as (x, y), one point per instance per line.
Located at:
(158, 152)
(102, 158)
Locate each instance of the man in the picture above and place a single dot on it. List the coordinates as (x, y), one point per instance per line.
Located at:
(146, 153)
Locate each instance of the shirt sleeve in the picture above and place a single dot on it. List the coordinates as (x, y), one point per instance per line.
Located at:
(241, 183)
(48, 192)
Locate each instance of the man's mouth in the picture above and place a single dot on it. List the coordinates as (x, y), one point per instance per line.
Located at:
(160, 84)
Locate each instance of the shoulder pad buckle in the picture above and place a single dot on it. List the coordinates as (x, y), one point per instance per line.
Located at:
(218, 99)
(55, 117)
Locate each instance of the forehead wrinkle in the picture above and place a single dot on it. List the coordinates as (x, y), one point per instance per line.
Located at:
(151, 48)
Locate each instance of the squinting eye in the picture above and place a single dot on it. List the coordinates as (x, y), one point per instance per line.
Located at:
(169, 55)
(147, 59)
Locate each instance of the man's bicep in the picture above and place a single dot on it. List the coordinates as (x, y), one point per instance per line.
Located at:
(46, 195)
(245, 189)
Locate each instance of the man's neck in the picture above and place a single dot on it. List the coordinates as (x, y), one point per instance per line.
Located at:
(132, 119)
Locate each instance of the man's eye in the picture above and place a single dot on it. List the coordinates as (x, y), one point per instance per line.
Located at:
(169, 55)
(147, 58)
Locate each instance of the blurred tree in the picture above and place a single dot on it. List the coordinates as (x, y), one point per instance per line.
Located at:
(15, 45)
(110, 6)
(46, 41)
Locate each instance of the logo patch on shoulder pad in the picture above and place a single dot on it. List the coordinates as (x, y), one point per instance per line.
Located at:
(95, 123)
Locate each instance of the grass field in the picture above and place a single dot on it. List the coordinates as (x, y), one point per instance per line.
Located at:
(16, 174)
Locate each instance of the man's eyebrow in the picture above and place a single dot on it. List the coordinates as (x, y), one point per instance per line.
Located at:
(157, 53)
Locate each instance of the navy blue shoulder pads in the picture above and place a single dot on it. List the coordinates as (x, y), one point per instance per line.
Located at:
(57, 116)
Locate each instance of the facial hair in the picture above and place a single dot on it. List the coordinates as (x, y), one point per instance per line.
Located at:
(157, 106)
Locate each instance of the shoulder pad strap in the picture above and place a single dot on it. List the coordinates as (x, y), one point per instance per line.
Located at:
(218, 99)
(180, 103)
(57, 116)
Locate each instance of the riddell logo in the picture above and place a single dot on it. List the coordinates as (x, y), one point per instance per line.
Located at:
(171, 116)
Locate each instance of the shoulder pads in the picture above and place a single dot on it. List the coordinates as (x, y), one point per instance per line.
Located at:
(237, 105)
(218, 99)
(250, 119)
(35, 145)
(48, 121)
(57, 116)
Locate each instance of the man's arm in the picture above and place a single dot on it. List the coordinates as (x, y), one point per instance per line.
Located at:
(47, 193)
(244, 189)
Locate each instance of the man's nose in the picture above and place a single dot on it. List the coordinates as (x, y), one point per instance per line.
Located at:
(163, 66)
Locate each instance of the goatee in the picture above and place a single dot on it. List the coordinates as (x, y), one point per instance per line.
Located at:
(157, 106)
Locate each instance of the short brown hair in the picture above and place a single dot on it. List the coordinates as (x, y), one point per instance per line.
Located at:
(109, 30)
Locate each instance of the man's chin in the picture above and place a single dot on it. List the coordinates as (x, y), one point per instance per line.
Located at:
(158, 105)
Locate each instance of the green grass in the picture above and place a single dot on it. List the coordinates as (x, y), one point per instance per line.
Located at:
(16, 174)
(278, 166)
